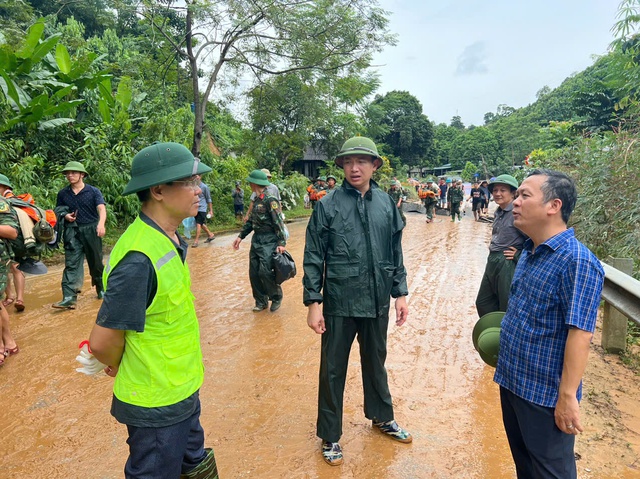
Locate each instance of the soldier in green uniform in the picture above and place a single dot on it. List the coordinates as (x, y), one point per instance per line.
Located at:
(455, 197)
(268, 237)
(352, 267)
(431, 199)
(395, 191)
(317, 190)
(8, 231)
(331, 182)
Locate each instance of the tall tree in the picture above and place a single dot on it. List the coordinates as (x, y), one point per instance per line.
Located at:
(396, 119)
(267, 37)
(479, 146)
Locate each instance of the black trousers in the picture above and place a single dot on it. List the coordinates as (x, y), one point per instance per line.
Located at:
(493, 294)
(540, 450)
(261, 274)
(336, 346)
(81, 241)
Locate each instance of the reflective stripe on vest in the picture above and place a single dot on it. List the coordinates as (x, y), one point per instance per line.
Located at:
(162, 365)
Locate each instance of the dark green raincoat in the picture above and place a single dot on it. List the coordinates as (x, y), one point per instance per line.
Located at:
(268, 233)
(353, 254)
(353, 265)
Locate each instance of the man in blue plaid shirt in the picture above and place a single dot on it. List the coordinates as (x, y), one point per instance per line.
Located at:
(547, 330)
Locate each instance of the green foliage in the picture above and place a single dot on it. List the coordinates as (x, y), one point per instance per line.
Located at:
(292, 190)
(221, 181)
(396, 119)
(607, 172)
(469, 171)
(43, 93)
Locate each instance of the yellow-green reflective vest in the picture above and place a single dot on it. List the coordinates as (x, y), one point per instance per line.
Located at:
(162, 365)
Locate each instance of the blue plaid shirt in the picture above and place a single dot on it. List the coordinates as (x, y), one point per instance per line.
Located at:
(555, 288)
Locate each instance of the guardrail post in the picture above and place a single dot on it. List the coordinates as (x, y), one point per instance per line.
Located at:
(614, 323)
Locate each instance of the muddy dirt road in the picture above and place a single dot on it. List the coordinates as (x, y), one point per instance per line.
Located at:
(259, 395)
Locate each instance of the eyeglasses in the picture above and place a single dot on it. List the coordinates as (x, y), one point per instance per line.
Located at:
(193, 183)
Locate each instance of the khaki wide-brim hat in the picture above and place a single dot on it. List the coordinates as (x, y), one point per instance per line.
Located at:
(486, 337)
(266, 172)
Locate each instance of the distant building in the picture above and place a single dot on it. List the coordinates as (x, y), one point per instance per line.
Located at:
(311, 162)
(419, 172)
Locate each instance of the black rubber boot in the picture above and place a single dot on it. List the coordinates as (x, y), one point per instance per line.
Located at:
(207, 469)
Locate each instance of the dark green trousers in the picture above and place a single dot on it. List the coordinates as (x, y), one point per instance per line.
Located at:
(496, 284)
(261, 275)
(336, 345)
(81, 241)
(404, 218)
(455, 210)
(430, 206)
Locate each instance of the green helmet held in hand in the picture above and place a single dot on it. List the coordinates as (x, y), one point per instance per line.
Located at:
(358, 145)
(162, 163)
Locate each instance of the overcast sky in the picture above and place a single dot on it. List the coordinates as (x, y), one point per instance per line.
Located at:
(466, 57)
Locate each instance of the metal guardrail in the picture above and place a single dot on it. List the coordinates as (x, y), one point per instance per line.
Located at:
(622, 292)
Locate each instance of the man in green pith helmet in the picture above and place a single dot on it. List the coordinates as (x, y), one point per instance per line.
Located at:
(147, 334)
(84, 227)
(268, 237)
(352, 266)
(331, 182)
(395, 191)
(455, 197)
(431, 199)
(504, 249)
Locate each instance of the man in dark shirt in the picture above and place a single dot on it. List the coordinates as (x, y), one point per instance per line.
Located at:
(84, 227)
(504, 249)
(147, 331)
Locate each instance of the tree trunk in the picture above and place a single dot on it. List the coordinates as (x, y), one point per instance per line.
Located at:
(199, 107)
(283, 162)
(484, 167)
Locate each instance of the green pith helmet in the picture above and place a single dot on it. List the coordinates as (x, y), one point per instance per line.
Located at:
(322, 178)
(331, 177)
(504, 180)
(162, 163)
(486, 337)
(5, 181)
(258, 177)
(74, 166)
(358, 145)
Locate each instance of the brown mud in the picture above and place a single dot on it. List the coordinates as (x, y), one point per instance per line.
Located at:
(259, 395)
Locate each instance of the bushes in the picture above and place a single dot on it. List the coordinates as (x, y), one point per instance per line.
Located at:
(292, 190)
(607, 172)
